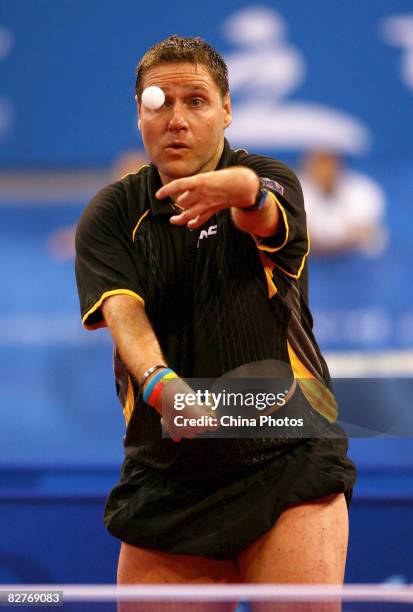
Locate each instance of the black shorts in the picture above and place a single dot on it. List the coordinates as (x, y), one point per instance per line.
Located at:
(180, 513)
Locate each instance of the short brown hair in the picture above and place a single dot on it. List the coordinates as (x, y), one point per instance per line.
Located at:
(179, 49)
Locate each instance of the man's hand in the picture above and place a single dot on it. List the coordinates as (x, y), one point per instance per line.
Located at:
(191, 419)
(203, 195)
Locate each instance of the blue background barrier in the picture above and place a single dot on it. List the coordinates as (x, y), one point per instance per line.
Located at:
(66, 103)
(67, 71)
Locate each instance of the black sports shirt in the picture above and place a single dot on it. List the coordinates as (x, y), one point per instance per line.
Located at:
(217, 297)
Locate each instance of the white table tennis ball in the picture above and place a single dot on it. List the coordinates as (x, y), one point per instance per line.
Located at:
(153, 97)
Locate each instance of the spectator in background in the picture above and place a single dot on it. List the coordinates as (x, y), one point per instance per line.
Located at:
(344, 209)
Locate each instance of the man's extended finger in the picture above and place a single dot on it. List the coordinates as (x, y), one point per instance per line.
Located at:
(181, 219)
(187, 199)
(188, 215)
(200, 219)
(174, 187)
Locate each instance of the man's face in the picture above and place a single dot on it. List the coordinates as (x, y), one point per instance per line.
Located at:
(186, 135)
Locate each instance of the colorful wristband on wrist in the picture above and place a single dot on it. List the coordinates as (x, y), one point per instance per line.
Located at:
(155, 399)
(151, 384)
(153, 390)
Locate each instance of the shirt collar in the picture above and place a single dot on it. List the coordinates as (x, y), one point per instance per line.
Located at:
(166, 206)
(158, 207)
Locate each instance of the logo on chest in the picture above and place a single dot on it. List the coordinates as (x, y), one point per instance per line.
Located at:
(206, 233)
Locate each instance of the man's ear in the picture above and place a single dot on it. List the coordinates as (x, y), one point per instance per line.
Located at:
(227, 111)
(139, 113)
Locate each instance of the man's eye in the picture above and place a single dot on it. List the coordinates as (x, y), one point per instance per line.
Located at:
(196, 101)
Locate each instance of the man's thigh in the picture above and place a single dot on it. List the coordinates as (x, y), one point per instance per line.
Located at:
(308, 544)
(143, 566)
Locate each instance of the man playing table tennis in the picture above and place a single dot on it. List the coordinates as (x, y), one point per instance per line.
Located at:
(195, 264)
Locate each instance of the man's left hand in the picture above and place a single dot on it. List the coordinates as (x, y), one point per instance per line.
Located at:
(202, 195)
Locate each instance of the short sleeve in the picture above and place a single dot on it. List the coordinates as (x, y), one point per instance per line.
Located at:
(106, 263)
(288, 249)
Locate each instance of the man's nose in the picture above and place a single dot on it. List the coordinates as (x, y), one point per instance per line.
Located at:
(178, 118)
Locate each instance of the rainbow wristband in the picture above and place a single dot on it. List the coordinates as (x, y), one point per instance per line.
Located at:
(154, 388)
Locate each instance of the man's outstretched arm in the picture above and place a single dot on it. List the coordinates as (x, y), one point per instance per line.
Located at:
(203, 195)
